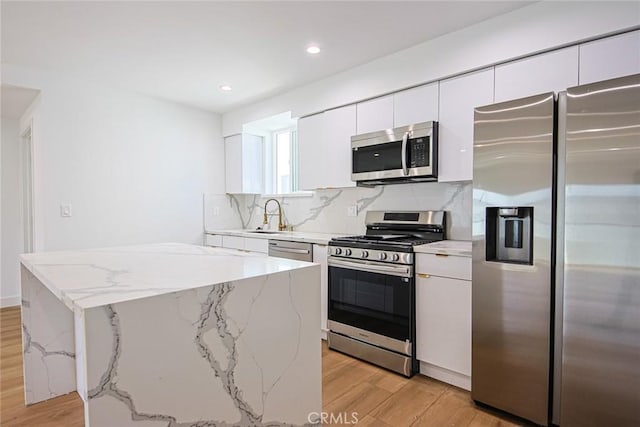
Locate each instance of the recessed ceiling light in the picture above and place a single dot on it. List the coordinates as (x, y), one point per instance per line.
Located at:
(313, 49)
(225, 88)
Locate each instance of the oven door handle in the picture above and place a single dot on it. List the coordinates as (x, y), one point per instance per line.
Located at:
(405, 138)
(394, 270)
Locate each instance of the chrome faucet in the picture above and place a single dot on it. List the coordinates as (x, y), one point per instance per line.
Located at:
(281, 225)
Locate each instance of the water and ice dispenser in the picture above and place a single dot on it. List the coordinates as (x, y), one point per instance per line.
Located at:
(510, 234)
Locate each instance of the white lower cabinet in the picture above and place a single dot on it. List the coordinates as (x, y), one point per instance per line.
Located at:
(214, 240)
(237, 242)
(443, 318)
(233, 242)
(320, 256)
(256, 245)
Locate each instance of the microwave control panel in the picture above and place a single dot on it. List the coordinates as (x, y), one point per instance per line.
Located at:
(419, 152)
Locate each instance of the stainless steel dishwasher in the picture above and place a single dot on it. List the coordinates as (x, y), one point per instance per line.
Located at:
(291, 250)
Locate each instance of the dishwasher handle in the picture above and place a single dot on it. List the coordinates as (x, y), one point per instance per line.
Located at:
(292, 250)
(289, 250)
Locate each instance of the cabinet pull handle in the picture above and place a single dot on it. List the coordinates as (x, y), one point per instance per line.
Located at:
(424, 276)
(442, 255)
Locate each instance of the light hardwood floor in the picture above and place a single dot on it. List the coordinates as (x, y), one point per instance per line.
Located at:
(349, 386)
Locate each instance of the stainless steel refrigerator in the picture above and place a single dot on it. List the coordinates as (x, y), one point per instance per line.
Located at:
(556, 256)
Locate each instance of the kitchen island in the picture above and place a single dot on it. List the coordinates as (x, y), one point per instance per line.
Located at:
(173, 335)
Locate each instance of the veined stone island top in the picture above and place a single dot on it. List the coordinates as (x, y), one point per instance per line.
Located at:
(89, 278)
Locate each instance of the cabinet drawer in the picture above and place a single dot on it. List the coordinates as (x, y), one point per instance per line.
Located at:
(456, 267)
(256, 245)
(212, 240)
(233, 242)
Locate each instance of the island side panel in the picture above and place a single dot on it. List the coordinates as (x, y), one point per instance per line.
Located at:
(47, 340)
(246, 352)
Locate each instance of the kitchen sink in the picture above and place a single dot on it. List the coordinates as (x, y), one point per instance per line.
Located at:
(263, 231)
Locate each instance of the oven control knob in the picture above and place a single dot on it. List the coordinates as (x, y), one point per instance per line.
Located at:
(338, 251)
(382, 256)
(365, 254)
(347, 252)
(395, 257)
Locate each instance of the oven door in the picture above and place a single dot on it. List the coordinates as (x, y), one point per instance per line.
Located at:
(372, 302)
(377, 160)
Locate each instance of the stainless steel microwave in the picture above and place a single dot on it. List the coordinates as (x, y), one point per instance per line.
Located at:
(404, 154)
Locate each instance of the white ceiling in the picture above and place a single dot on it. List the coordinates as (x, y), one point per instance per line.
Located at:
(182, 51)
(15, 100)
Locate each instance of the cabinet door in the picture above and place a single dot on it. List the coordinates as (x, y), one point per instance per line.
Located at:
(458, 97)
(609, 58)
(443, 322)
(311, 152)
(320, 256)
(233, 164)
(340, 126)
(233, 242)
(548, 72)
(376, 114)
(256, 245)
(415, 105)
(212, 240)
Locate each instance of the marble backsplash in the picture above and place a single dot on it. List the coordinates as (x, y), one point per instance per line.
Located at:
(327, 210)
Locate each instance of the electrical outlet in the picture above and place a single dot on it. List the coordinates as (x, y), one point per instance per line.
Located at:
(216, 210)
(352, 210)
(65, 211)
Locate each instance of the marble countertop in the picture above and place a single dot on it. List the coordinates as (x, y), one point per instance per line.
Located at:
(446, 247)
(96, 277)
(293, 236)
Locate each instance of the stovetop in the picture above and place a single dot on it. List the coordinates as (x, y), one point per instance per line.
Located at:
(390, 233)
(398, 242)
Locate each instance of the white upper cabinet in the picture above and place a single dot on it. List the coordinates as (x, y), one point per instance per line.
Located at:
(243, 164)
(340, 125)
(458, 97)
(376, 114)
(609, 58)
(415, 105)
(324, 149)
(549, 72)
(312, 152)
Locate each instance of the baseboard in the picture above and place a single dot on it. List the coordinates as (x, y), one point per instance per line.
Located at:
(323, 334)
(9, 301)
(445, 375)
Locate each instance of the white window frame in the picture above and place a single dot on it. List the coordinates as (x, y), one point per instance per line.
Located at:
(293, 164)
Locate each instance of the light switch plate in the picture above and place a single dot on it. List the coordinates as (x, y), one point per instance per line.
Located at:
(352, 210)
(216, 210)
(65, 211)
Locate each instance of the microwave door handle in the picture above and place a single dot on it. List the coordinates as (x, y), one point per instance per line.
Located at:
(405, 137)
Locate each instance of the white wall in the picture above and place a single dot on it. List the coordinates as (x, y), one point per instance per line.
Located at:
(134, 168)
(11, 224)
(526, 31)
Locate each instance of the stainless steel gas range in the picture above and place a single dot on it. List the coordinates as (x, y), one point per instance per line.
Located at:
(372, 287)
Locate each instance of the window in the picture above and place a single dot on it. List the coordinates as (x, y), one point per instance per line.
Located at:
(280, 154)
(285, 173)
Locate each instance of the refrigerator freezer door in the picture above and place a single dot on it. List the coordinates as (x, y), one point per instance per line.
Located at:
(511, 302)
(601, 343)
